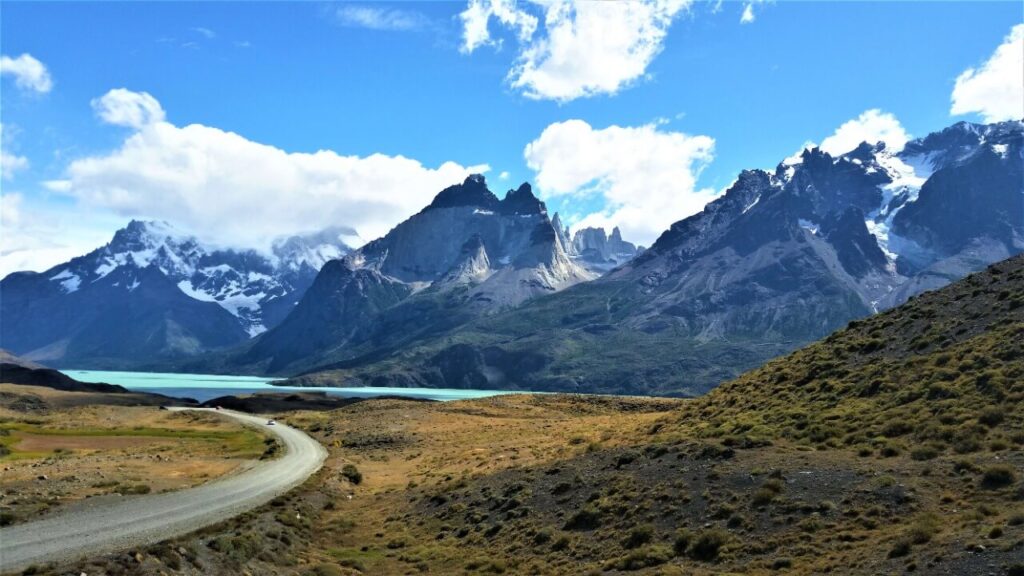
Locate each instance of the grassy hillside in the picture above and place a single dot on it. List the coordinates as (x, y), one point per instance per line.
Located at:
(941, 374)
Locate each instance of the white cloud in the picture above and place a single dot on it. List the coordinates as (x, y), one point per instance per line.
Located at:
(236, 192)
(122, 107)
(996, 89)
(645, 178)
(504, 175)
(476, 17)
(748, 14)
(376, 18)
(9, 162)
(872, 126)
(586, 49)
(28, 73)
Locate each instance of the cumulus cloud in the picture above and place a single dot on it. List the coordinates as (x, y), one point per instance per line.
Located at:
(122, 107)
(645, 178)
(585, 48)
(871, 126)
(377, 18)
(28, 73)
(237, 192)
(995, 90)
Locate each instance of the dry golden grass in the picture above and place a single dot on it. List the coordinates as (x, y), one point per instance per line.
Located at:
(60, 455)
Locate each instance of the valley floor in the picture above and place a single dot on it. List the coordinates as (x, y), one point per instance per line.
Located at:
(556, 484)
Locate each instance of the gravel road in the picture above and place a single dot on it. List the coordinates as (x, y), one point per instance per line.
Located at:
(142, 520)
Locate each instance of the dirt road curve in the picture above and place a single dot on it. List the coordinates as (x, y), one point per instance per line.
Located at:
(142, 520)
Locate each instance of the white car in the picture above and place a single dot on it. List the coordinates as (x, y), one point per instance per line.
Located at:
(271, 422)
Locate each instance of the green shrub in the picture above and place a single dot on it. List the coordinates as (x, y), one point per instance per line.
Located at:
(708, 544)
(642, 558)
(587, 518)
(992, 417)
(638, 536)
(923, 529)
(682, 541)
(998, 476)
(924, 453)
(352, 474)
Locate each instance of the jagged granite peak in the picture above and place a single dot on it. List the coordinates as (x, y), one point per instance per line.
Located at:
(601, 252)
(424, 248)
(564, 238)
(472, 192)
(522, 201)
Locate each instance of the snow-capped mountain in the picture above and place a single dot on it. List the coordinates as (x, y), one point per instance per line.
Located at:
(254, 290)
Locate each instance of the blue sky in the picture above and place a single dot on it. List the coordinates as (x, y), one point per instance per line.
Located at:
(404, 106)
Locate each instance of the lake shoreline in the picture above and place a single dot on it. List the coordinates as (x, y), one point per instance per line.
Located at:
(205, 387)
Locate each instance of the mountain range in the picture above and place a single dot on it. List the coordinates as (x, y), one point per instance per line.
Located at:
(782, 258)
(477, 291)
(154, 293)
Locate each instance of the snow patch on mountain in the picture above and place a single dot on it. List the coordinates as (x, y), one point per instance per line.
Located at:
(68, 281)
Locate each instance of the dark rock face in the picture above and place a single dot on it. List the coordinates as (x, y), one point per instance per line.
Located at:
(154, 294)
(472, 192)
(339, 307)
(855, 247)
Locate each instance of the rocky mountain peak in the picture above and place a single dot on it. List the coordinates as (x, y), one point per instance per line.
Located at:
(472, 192)
(522, 201)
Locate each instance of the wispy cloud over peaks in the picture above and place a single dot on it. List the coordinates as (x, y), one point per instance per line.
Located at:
(29, 74)
(379, 18)
(872, 126)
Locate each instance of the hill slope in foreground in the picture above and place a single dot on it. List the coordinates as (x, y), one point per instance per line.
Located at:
(895, 445)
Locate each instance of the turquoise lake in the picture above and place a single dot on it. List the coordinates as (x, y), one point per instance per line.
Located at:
(203, 387)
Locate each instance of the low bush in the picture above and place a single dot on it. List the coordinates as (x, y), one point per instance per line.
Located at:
(998, 476)
(708, 544)
(352, 474)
